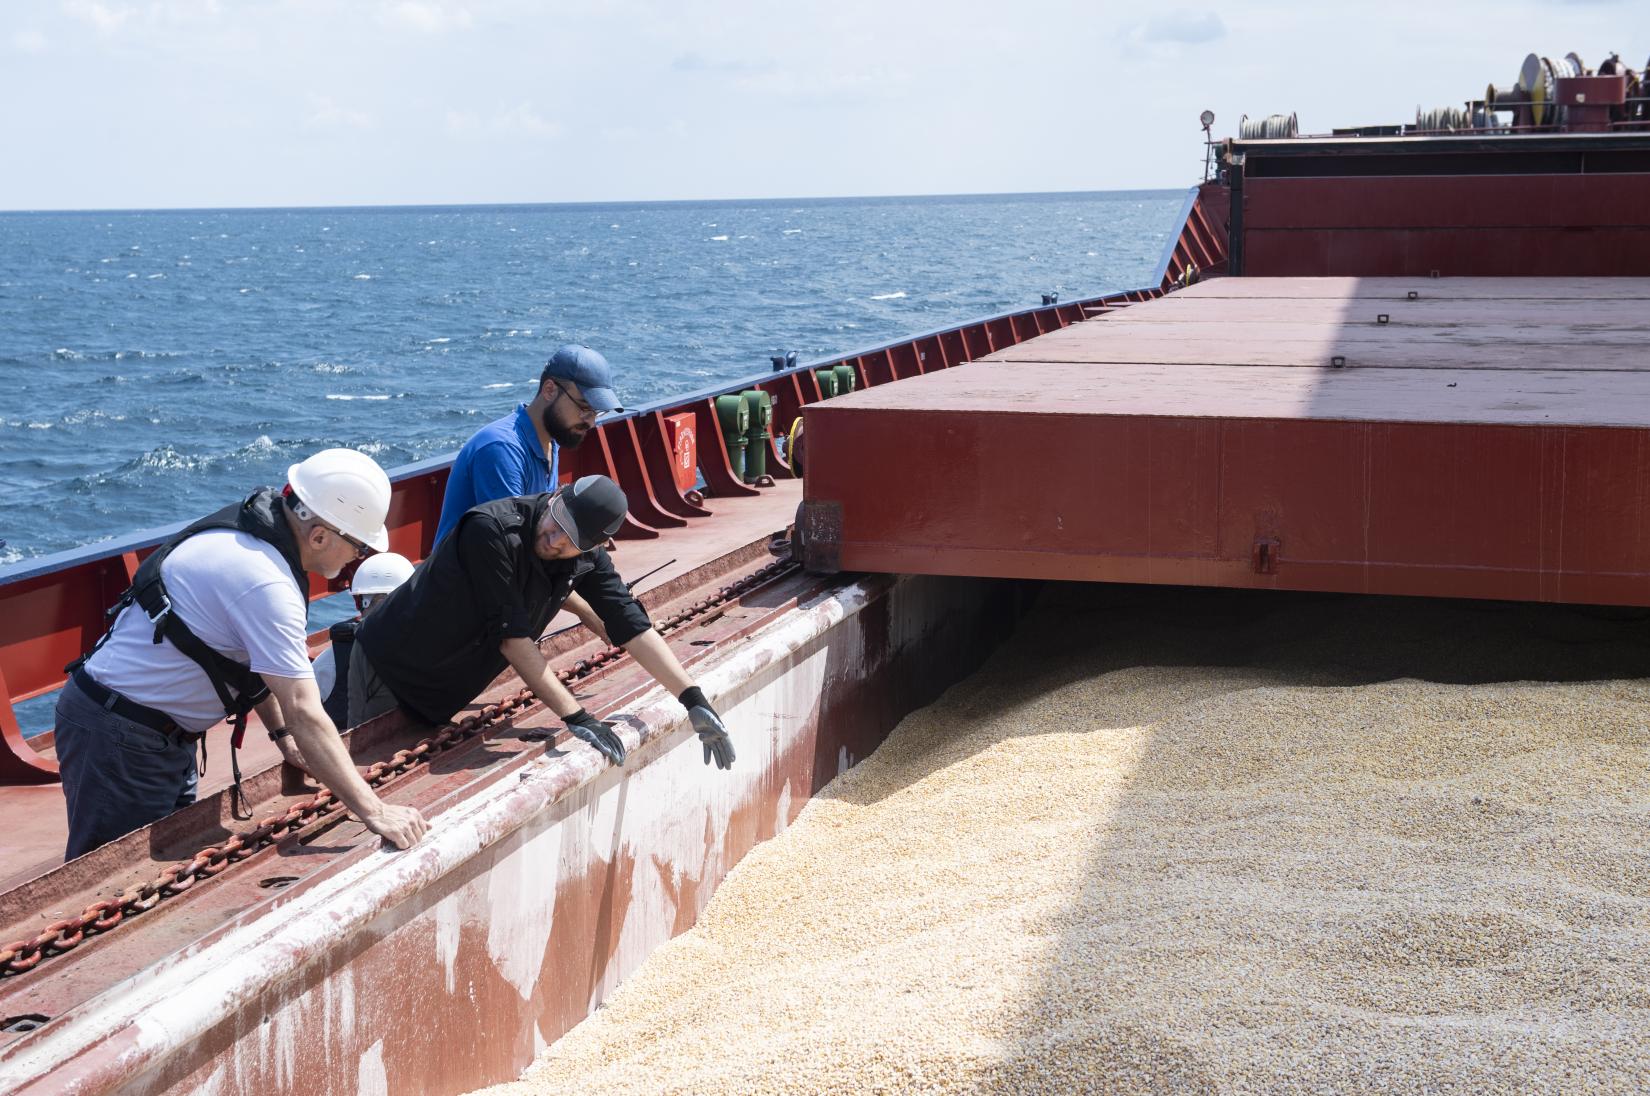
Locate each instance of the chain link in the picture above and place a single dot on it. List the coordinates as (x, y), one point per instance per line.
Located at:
(22, 956)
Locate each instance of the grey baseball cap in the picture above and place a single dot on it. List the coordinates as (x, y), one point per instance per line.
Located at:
(587, 369)
(589, 510)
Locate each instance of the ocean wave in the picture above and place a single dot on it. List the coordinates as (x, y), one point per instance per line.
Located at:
(363, 277)
(436, 342)
(888, 296)
(168, 458)
(718, 237)
(330, 367)
(346, 396)
(793, 231)
(86, 415)
(502, 384)
(165, 459)
(65, 354)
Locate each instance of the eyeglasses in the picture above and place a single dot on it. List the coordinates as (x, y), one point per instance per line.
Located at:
(362, 551)
(577, 402)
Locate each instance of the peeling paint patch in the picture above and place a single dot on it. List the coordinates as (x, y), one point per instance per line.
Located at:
(370, 1077)
(449, 930)
(782, 812)
(522, 888)
(213, 1085)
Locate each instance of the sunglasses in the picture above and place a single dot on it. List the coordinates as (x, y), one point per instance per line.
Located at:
(362, 551)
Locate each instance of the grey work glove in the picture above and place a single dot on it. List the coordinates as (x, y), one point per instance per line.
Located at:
(712, 735)
(597, 735)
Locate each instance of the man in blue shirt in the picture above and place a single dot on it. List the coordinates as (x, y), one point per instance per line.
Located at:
(516, 455)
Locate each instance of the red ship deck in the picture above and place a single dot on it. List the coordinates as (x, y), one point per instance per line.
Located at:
(1480, 437)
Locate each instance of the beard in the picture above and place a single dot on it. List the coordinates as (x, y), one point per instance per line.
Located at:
(565, 437)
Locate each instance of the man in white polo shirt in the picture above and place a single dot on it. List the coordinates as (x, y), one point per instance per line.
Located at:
(215, 626)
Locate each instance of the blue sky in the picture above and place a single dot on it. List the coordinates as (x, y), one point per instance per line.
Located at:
(176, 103)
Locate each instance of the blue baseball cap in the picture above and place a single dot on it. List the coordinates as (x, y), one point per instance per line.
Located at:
(587, 369)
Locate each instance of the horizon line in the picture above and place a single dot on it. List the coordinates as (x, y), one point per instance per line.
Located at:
(358, 207)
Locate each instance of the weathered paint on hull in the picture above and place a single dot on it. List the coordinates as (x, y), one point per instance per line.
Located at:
(451, 966)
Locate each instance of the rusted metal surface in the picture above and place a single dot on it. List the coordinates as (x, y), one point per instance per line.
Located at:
(1091, 455)
(538, 889)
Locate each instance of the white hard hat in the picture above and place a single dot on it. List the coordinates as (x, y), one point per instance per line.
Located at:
(348, 491)
(381, 573)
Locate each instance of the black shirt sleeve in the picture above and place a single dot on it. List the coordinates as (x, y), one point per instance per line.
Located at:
(484, 550)
(622, 615)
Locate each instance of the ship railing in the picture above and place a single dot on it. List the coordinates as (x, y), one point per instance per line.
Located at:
(52, 609)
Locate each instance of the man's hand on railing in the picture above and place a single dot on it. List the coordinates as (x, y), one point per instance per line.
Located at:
(597, 735)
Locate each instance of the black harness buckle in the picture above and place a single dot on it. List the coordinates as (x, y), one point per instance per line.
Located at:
(163, 608)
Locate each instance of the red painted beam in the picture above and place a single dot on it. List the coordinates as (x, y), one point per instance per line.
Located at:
(1071, 489)
(19, 763)
(655, 447)
(1511, 225)
(624, 450)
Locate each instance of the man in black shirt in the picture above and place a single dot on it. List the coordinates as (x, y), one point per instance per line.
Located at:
(486, 594)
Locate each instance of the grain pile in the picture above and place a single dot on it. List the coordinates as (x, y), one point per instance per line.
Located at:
(1174, 841)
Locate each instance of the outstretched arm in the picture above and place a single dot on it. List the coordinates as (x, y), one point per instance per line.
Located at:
(528, 661)
(587, 616)
(330, 763)
(274, 721)
(654, 655)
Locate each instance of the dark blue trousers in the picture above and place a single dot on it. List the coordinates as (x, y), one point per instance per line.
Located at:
(117, 775)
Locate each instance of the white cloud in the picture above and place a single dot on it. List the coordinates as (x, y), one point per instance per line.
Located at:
(425, 16)
(520, 120)
(1186, 27)
(28, 41)
(698, 62)
(104, 17)
(324, 114)
(182, 11)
